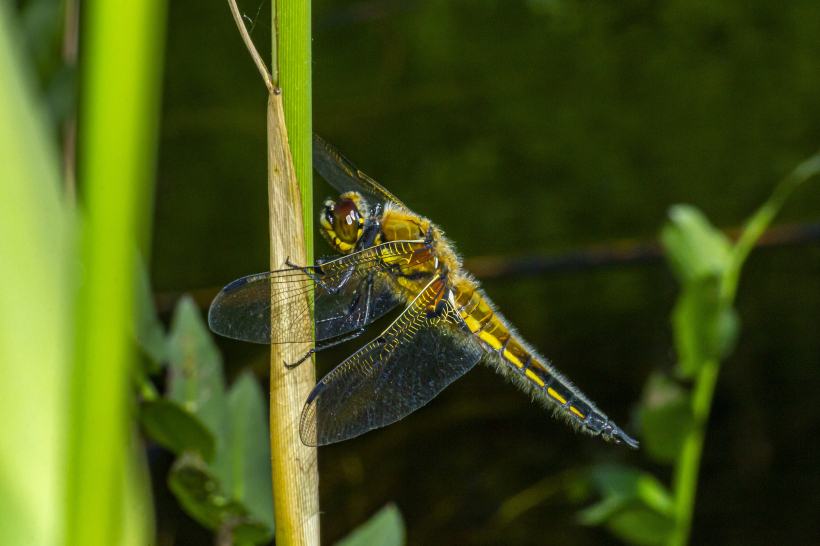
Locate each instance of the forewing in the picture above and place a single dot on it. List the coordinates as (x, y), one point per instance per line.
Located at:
(344, 176)
(389, 378)
(275, 307)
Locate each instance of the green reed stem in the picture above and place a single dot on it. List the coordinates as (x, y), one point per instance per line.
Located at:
(294, 77)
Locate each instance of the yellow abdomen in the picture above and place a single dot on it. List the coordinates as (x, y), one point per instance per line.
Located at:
(515, 359)
(505, 349)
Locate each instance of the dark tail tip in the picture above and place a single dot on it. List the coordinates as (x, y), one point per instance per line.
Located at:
(616, 435)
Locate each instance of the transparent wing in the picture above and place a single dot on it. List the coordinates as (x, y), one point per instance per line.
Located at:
(348, 293)
(394, 375)
(344, 176)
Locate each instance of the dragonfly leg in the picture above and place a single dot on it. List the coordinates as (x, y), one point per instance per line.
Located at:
(292, 265)
(371, 230)
(354, 335)
(311, 272)
(429, 236)
(325, 345)
(319, 262)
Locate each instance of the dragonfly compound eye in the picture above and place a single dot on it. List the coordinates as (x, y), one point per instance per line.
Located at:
(347, 222)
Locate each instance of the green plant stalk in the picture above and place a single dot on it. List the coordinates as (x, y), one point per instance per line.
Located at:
(685, 481)
(687, 466)
(120, 85)
(294, 76)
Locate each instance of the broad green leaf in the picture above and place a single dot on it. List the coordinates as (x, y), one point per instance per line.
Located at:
(196, 383)
(704, 326)
(386, 528)
(201, 495)
(695, 249)
(666, 417)
(37, 275)
(250, 448)
(117, 137)
(148, 330)
(176, 429)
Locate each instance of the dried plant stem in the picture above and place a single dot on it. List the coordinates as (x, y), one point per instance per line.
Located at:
(295, 475)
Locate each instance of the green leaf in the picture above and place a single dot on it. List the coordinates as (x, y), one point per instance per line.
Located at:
(38, 269)
(666, 418)
(251, 455)
(612, 479)
(196, 383)
(238, 481)
(602, 511)
(705, 327)
(148, 330)
(641, 526)
(386, 528)
(250, 532)
(655, 495)
(176, 429)
(695, 249)
(201, 495)
(635, 505)
(626, 484)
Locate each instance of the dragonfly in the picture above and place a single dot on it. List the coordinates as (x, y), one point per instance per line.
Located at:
(389, 256)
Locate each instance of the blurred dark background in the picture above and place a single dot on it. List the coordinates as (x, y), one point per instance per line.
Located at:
(527, 128)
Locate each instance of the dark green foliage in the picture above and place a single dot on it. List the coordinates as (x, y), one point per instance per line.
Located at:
(202, 496)
(176, 429)
(223, 475)
(251, 459)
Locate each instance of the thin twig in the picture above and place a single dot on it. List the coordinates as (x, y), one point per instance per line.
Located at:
(257, 58)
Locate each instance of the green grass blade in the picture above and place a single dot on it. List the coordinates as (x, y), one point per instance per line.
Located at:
(35, 307)
(120, 90)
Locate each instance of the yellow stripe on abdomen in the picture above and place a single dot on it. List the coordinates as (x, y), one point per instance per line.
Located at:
(491, 330)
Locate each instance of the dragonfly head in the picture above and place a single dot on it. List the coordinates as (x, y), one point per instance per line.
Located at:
(342, 221)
